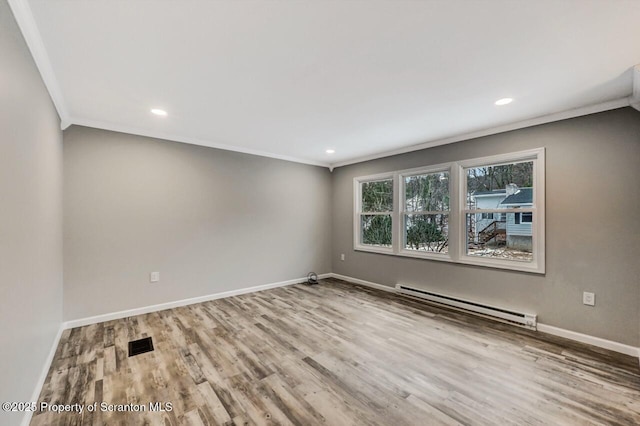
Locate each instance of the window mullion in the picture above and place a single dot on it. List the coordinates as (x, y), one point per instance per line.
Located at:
(398, 223)
(454, 215)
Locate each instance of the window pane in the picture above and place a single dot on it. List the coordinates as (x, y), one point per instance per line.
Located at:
(428, 192)
(500, 239)
(427, 232)
(495, 187)
(376, 230)
(377, 196)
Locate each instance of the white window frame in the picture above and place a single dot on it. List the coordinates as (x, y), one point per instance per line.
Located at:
(457, 251)
(537, 264)
(400, 184)
(357, 208)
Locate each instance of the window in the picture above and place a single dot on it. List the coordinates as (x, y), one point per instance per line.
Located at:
(425, 211)
(511, 241)
(375, 214)
(434, 213)
(525, 217)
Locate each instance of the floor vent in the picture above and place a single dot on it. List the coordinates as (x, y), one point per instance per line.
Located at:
(137, 347)
(505, 315)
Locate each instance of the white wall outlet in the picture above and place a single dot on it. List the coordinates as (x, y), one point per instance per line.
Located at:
(342, 257)
(154, 277)
(589, 298)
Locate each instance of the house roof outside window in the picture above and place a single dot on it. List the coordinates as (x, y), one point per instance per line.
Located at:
(523, 196)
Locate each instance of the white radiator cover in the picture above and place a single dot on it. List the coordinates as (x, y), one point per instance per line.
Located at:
(501, 314)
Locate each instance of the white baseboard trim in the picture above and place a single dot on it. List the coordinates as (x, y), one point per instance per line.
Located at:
(544, 328)
(364, 283)
(184, 302)
(43, 375)
(590, 340)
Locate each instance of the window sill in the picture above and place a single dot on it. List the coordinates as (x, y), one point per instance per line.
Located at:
(444, 257)
(374, 249)
(510, 265)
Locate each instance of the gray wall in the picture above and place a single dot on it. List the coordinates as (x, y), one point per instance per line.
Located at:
(208, 220)
(30, 219)
(593, 237)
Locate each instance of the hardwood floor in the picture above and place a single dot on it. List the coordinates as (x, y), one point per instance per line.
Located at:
(335, 354)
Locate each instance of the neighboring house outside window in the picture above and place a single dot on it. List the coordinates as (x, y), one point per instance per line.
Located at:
(487, 200)
(519, 233)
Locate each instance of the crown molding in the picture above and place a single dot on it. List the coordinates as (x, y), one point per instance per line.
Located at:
(550, 118)
(558, 116)
(27, 24)
(186, 139)
(634, 99)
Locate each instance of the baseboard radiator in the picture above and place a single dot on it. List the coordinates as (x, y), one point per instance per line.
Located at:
(500, 314)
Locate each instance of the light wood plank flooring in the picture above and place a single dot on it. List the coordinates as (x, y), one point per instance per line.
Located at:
(336, 354)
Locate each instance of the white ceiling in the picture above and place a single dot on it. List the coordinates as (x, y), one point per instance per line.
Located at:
(290, 79)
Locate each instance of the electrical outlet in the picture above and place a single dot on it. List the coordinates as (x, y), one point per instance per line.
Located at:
(342, 257)
(589, 298)
(154, 277)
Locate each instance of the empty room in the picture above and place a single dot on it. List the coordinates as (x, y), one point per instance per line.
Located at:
(319, 212)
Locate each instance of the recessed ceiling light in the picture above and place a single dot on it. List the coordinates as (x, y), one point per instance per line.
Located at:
(504, 101)
(160, 112)
(330, 151)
